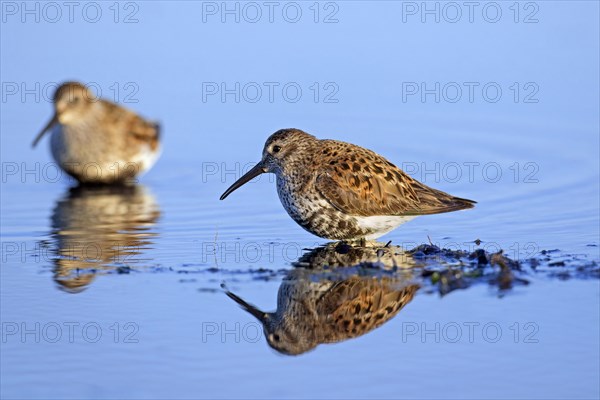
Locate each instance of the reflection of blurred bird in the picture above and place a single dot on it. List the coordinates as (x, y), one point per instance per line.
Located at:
(328, 306)
(99, 229)
(97, 141)
(341, 191)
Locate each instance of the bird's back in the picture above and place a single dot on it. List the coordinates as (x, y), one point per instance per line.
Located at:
(360, 182)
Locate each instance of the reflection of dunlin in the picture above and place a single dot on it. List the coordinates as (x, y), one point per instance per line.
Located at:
(327, 306)
(100, 229)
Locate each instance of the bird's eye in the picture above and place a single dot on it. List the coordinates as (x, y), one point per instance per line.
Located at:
(276, 337)
(276, 149)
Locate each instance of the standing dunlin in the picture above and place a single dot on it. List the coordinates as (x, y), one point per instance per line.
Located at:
(341, 191)
(97, 141)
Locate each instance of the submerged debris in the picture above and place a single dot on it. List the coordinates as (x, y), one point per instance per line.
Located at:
(448, 270)
(442, 270)
(435, 268)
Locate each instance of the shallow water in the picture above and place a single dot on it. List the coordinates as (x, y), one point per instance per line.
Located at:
(116, 293)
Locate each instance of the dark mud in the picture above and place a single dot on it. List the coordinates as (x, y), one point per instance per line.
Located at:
(436, 269)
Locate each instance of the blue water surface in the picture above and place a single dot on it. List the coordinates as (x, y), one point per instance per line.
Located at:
(497, 103)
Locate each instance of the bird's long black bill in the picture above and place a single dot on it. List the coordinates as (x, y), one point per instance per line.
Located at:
(258, 314)
(253, 173)
(52, 121)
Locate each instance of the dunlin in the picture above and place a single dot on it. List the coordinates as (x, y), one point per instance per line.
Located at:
(341, 191)
(322, 307)
(98, 141)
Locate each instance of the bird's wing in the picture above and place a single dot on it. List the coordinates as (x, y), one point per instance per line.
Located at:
(357, 305)
(362, 183)
(136, 127)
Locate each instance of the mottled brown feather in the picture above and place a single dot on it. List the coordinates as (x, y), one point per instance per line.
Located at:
(355, 306)
(137, 128)
(357, 181)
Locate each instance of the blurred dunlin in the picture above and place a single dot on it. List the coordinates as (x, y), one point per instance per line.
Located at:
(97, 141)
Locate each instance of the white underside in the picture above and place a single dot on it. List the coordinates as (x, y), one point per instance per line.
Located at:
(146, 158)
(381, 224)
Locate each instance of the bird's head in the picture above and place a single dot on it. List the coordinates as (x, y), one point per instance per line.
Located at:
(72, 100)
(280, 335)
(282, 149)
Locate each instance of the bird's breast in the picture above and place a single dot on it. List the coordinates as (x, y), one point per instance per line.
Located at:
(298, 199)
